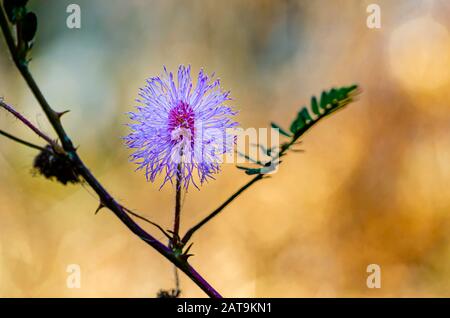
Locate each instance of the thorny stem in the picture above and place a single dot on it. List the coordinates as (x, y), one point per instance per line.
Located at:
(21, 141)
(105, 198)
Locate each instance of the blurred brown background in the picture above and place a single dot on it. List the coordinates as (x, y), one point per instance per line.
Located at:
(372, 186)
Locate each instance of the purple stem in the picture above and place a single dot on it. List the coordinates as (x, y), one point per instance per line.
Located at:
(26, 122)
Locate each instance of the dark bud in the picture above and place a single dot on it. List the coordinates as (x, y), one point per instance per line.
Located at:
(29, 27)
(172, 293)
(55, 166)
(12, 6)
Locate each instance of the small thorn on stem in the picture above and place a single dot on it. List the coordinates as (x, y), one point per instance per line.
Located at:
(100, 206)
(188, 248)
(185, 257)
(60, 114)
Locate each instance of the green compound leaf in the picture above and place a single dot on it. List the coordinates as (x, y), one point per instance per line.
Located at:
(329, 102)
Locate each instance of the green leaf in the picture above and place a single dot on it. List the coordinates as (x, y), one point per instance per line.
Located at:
(303, 119)
(281, 130)
(305, 116)
(250, 171)
(315, 106)
(253, 171)
(324, 100)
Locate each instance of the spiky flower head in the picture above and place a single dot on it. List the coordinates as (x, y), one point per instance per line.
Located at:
(180, 129)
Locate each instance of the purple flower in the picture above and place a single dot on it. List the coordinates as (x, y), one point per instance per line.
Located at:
(180, 129)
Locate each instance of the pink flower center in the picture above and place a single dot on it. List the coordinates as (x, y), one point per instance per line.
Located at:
(181, 122)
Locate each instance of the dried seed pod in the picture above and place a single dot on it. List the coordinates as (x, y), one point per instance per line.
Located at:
(172, 293)
(52, 165)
